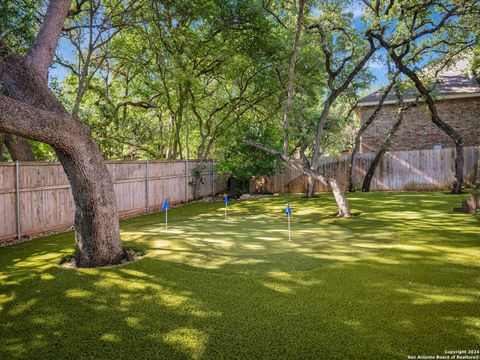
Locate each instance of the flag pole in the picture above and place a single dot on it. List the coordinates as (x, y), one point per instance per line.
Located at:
(165, 208)
(289, 237)
(288, 212)
(225, 200)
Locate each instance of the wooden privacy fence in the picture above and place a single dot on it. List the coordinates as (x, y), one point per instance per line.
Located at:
(398, 171)
(36, 198)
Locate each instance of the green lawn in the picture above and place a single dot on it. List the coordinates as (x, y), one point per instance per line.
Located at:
(402, 278)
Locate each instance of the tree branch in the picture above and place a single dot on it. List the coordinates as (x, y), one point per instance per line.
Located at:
(43, 49)
(294, 164)
(142, 104)
(21, 119)
(291, 81)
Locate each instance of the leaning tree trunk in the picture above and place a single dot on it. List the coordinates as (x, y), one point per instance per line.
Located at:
(363, 128)
(353, 162)
(340, 198)
(96, 219)
(442, 125)
(291, 78)
(371, 170)
(1, 148)
(32, 110)
(311, 184)
(383, 148)
(338, 193)
(19, 148)
(459, 160)
(198, 178)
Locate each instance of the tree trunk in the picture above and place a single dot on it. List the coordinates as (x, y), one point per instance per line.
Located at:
(457, 187)
(84, 79)
(353, 162)
(36, 113)
(385, 144)
(311, 184)
(363, 128)
(19, 148)
(96, 218)
(446, 128)
(177, 146)
(338, 193)
(317, 147)
(197, 178)
(1, 148)
(340, 198)
(291, 80)
(371, 170)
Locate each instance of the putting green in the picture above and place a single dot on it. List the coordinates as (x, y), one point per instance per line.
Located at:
(399, 279)
(242, 241)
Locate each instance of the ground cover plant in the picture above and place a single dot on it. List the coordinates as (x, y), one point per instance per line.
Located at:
(401, 278)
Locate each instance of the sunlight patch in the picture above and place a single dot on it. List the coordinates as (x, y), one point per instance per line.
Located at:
(278, 287)
(78, 293)
(109, 337)
(133, 322)
(22, 307)
(473, 326)
(173, 300)
(442, 298)
(46, 276)
(188, 340)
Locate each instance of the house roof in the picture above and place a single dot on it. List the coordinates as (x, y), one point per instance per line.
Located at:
(447, 87)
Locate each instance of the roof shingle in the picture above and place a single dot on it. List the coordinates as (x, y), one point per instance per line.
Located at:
(446, 86)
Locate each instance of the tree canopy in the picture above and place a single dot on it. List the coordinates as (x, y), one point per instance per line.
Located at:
(181, 79)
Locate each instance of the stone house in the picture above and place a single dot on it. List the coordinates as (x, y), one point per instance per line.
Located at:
(458, 103)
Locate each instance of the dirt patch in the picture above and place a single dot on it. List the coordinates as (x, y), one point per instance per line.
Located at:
(68, 261)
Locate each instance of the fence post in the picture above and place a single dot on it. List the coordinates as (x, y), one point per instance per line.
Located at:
(17, 199)
(147, 188)
(186, 180)
(213, 178)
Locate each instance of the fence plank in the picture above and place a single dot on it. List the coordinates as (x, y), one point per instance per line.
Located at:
(46, 201)
(398, 171)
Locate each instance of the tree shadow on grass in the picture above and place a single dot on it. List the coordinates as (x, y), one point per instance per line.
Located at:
(416, 291)
(150, 309)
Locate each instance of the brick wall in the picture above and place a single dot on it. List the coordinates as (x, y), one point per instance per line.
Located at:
(418, 131)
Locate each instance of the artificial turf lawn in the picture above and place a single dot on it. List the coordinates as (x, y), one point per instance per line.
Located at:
(402, 278)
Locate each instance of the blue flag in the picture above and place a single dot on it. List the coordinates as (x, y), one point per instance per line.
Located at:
(165, 206)
(225, 200)
(288, 211)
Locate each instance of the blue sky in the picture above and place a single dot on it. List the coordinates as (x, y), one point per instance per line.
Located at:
(377, 68)
(66, 51)
(380, 74)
